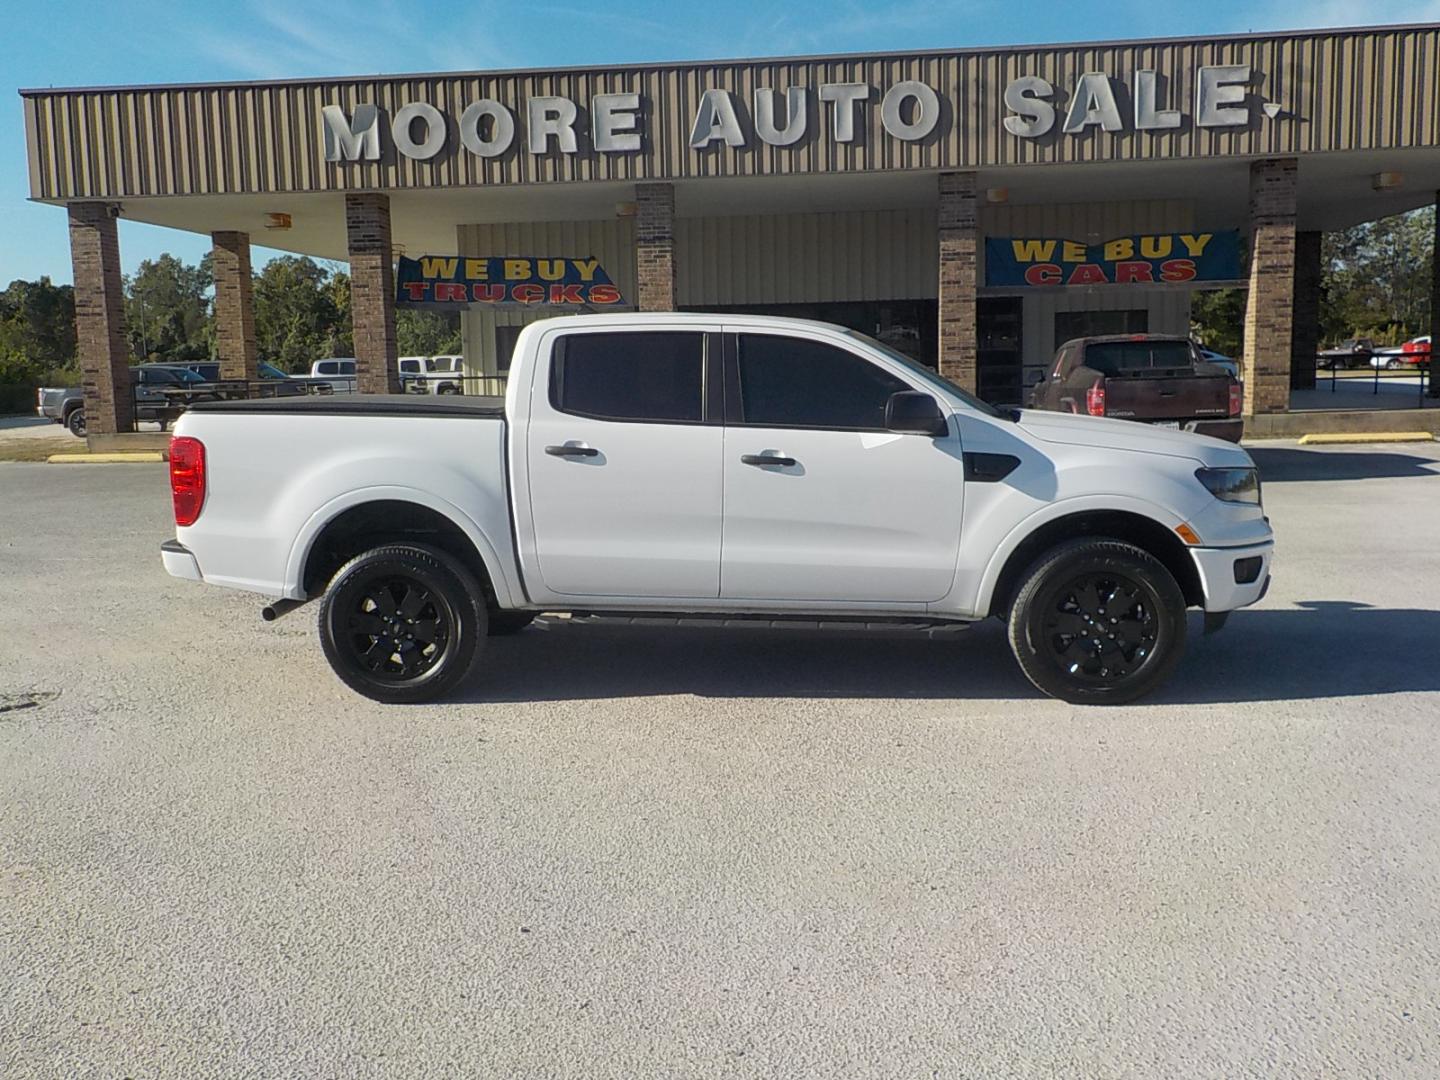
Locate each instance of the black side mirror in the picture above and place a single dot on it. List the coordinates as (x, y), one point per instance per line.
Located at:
(910, 412)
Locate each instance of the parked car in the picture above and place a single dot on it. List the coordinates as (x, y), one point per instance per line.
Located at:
(1413, 354)
(716, 466)
(1350, 353)
(338, 371)
(1228, 364)
(430, 374)
(152, 385)
(273, 381)
(1154, 378)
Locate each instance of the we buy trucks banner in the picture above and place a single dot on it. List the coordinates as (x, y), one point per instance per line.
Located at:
(504, 281)
(1151, 258)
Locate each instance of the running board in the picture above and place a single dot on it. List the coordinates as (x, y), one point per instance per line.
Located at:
(730, 621)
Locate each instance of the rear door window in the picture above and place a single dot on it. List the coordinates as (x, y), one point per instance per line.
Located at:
(643, 377)
(795, 382)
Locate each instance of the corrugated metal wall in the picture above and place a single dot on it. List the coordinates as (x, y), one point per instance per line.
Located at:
(801, 258)
(1340, 90)
(612, 242)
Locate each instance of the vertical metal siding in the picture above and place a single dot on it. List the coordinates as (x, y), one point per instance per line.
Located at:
(806, 258)
(1341, 90)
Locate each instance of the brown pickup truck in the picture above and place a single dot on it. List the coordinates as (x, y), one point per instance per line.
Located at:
(1153, 378)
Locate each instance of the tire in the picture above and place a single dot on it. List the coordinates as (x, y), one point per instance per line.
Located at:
(448, 390)
(1393, 365)
(447, 602)
(505, 623)
(75, 422)
(1052, 612)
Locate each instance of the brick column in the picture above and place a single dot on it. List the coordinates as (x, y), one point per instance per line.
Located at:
(959, 338)
(1269, 308)
(100, 318)
(1305, 328)
(655, 246)
(372, 292)
(234, 306)
(1434, 391)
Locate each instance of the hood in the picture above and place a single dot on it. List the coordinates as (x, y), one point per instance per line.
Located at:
(1102, 431)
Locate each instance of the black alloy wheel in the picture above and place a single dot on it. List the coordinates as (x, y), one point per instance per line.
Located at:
(75, 422)
(403, 623)
(1098, 621)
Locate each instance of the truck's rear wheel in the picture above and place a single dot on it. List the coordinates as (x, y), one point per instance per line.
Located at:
(403, 623)
(1098, 622)
(75, 422)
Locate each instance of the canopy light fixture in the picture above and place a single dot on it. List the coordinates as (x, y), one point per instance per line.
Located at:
(277, 221)
(997, 194)
(1387, 181)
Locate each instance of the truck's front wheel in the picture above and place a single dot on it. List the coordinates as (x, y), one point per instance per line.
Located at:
(1097, 622)
(403, 623)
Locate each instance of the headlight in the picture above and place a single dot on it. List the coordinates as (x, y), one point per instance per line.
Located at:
(1231, 485)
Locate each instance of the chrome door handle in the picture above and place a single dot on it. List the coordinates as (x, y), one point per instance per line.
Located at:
(765, 459)
(572, 451)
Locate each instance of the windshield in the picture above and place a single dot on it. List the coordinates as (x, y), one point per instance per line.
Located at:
(270, 371)
(929, 375)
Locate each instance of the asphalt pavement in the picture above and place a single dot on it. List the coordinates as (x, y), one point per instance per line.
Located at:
(628, 852)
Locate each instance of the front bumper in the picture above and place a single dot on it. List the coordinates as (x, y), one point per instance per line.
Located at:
(179, 562)
(1219, 569)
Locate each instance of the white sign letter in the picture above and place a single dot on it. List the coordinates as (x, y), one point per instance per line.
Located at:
(1034, 115)
(845, 95)
(923, 119)
(434, 123)
(715, 119)
(1094, 103)
(1220, 96)
(502, 128)
(346, 141)
(1147, 116)
(793, 129)
(551, 116)
(613, 121)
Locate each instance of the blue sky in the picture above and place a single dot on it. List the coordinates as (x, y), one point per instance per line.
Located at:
(69, 43)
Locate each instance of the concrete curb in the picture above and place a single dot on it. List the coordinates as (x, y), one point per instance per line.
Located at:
(1333, 437)
(133, 458)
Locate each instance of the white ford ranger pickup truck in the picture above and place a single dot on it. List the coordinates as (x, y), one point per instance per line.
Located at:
(715, 466)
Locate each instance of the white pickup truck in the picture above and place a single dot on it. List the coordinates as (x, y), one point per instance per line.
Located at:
(715, 466)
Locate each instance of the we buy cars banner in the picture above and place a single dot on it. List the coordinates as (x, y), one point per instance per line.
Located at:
(504, 281)
(1149, 258)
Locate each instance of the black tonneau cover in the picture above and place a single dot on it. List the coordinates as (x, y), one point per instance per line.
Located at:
(437, 406)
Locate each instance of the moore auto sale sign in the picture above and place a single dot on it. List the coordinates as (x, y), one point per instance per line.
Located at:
(908, 110)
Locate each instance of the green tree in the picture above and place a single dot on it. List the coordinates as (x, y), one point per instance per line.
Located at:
(298, 313)
(1376, 278)
(37, 331)
(419, 332)
(1217, 320)
(167, 310)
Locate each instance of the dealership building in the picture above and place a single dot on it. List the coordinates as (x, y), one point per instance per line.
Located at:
(974, 207)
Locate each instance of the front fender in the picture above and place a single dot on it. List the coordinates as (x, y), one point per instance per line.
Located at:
(1054, 512)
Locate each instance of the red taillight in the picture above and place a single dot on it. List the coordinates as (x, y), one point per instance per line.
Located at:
(1410, 347)
(187, 478)
(1237, 395)
(1095, 400)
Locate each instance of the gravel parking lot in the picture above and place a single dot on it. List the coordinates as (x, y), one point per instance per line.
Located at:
(636, 852)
